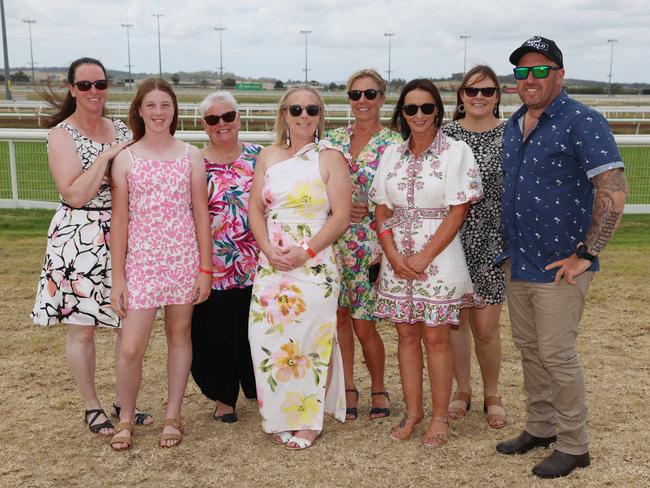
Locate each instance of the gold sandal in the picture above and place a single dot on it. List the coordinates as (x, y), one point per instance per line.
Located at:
(122, 439)
(440, 438)
(176, 424)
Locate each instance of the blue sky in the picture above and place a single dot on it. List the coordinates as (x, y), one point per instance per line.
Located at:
(263, 37)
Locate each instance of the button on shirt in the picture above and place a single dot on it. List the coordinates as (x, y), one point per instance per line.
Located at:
(548, 198)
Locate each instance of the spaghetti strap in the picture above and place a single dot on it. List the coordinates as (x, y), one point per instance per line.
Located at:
(187, 149)
(130, 154)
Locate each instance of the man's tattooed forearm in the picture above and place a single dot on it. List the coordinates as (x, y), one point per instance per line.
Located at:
(609, 201)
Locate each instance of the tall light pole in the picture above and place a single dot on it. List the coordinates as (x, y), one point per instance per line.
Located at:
(158, 15)
(29, 23)
(389, 35)
(306, 70)
(220, 30)
(464, 37)
(5, 50)
(128, 50)
(611, 62)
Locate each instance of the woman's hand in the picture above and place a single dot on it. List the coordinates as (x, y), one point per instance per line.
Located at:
(358, 211)
(418, 262)
(297, 255)
(119, 298)
(278, 260)
(201, 289)
(400, 265)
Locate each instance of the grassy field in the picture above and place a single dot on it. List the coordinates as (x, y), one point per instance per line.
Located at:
(35, 182)
(45, 443)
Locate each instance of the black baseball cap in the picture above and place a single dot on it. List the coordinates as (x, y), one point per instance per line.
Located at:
(537, 44)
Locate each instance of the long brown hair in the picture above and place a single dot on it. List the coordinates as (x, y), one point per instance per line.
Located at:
(66, 107)
(147, 86)
(484, 71)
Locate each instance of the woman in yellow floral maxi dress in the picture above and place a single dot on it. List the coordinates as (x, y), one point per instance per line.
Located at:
(300, 203)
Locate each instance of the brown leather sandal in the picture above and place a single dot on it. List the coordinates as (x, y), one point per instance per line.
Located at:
(440, 438)
(122, 439)
(176, 424)
(496, 414)
(459, 405)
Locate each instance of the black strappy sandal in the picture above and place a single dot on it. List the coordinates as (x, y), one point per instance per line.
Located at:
(138, 418)
(97, 428)
(352, 411)
(384, 411)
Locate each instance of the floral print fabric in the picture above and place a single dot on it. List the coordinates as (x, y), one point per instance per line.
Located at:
(234, 251)
(162, 257)
(75, 283)
(358, 247)
(481, 232)
(420, 192)
(292, 324)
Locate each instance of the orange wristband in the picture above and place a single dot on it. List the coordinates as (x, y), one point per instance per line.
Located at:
(308, 249)
(204, 271)
(385, 232)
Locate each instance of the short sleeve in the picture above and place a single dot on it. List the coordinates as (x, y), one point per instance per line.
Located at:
(594, 145)
(378, 194)
(463, 179)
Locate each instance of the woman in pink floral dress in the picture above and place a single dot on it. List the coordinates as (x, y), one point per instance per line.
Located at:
(221, 359)
(300, 203)
(161, 251)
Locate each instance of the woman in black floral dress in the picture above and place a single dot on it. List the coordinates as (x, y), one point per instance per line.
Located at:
(75, 283)
(476, 121)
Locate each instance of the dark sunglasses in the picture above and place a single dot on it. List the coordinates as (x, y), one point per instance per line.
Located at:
(296, 110)
(85, 85)
(471, 91)
(521, 73)
(214, 119)
(370, 94)
(411, 109)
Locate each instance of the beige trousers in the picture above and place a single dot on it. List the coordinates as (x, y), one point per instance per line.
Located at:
(544, 319)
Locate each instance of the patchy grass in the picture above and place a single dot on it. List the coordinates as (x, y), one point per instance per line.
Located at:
(45, 444)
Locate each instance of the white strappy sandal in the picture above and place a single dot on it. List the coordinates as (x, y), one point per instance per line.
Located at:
(281, 437)
(300, 442)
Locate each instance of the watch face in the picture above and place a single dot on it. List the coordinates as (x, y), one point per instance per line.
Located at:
(582, 253)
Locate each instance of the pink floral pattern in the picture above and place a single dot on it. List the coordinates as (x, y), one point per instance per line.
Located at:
(234, 251)
(162, 257)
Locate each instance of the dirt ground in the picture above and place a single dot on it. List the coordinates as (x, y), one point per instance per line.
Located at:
(45, 443)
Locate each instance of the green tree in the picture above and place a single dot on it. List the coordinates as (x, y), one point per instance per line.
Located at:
(229, 83)
(278, 85)
(176, 78)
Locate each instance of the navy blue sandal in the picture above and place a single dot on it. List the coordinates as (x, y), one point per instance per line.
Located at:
(382, 411)
(352, 411)
(138, 418)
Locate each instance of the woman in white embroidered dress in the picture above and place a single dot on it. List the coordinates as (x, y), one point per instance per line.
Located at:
(423, 189)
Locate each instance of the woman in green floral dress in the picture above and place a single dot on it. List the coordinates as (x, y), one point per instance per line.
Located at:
(357, 250)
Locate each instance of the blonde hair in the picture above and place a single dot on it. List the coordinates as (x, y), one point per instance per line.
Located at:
(367, 73)
(280, 127)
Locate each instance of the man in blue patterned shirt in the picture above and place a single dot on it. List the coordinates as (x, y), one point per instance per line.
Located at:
(564, 194)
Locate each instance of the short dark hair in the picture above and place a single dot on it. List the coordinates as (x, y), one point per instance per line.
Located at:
(487, 72)
(398, 123)
(66, 107)
(147, 86)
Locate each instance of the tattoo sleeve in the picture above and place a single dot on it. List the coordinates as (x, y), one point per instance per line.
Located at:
(609, 201)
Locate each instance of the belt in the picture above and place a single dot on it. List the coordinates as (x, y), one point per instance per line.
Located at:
(409, 215)
(88, 209)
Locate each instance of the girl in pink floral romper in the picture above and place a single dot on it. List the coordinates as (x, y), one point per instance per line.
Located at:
(161, 251)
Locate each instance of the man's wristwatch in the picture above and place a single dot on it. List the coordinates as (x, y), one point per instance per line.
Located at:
(582, 253)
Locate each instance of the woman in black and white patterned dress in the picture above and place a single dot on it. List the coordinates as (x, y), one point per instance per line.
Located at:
(75, 282)
(476, 121)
